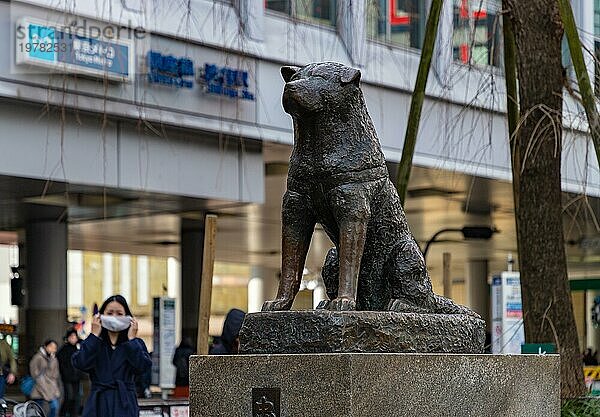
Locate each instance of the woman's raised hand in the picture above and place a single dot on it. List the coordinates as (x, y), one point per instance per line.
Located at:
(133, 329)
(96, 325)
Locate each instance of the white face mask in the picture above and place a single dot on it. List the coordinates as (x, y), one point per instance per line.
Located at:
(115, 323)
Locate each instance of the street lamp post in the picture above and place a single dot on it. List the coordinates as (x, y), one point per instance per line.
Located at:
(469, 232)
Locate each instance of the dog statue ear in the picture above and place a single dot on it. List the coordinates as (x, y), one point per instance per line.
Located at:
(287, 72)
(351, 75)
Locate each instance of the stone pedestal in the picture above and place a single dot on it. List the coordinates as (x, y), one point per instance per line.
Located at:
(382, 385)
(323, 331)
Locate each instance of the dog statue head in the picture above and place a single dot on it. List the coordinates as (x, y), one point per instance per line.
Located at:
(321, 86)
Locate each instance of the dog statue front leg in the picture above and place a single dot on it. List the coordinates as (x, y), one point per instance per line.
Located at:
(352, 213)
(297, 227)
(352, 243)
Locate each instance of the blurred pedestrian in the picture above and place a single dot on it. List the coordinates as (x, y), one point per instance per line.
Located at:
(230, 341)
(71, 377)
(181, 360)
(112, 355)
(589, 358)
(44, 369)
(8, 366)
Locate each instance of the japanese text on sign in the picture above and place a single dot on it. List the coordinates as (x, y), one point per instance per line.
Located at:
(170, 70)
(226, 82)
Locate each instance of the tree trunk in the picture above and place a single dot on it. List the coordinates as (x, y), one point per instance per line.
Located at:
(547, 307)
(418, 96)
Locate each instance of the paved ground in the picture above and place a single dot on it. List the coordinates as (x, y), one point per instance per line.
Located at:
(14, 393)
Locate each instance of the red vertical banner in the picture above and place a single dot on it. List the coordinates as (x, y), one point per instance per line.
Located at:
(480, 14)
(464, 53)
(397, 17)
(464, 9)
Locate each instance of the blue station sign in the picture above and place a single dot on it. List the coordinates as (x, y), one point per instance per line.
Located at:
(225, 81)
(170, 70)
(61, 48)
(179, 72)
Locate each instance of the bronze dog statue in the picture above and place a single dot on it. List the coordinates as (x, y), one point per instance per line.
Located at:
(338, 177)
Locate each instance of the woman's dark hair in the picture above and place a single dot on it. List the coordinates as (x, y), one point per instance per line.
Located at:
(122, 334)
(116, 298)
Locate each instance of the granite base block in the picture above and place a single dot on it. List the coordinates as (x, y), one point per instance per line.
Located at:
(383, 385)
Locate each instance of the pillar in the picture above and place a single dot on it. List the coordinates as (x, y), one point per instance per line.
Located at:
(46, 282)
(352, 28)
(478, 289)
(251, 14)
(192, 245)
(256, 296)
(442, 58)
(319, 294)
(261, 287)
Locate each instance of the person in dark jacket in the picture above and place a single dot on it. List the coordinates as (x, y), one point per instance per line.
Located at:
(8, 366)
(112, 355)
(71, 377)
(230, 342)
(181, 360)
(590, 358)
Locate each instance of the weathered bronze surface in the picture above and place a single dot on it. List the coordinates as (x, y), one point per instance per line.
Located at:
(338, 177)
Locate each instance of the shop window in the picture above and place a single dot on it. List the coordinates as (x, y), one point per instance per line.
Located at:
(318, 11)
(282, 6)
(597, 68)
(597, 17)
(401, 22)
(597, 47)
(477, 32)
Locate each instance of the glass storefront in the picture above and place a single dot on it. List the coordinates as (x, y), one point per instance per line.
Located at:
(94, 276)
(400, 22)
(9, 256)
(317, 11)
(477, 32)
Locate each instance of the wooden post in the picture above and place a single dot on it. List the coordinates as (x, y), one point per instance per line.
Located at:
(208, 262)
(418, 96)
(447, 278)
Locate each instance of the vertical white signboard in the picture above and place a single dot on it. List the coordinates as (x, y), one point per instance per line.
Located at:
(167, 342)
(163, 371)
(507, 313)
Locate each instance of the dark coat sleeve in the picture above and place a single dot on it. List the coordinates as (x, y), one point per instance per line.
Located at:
(85, 358)
(137, 355)
(176, 356)
(63, 361)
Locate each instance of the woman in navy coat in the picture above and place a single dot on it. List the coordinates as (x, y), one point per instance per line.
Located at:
(113, 356)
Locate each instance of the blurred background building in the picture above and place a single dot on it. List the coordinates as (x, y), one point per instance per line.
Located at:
(157, 113)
